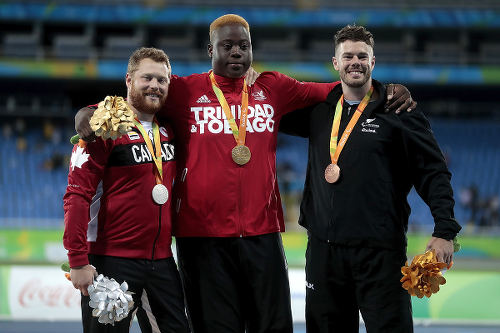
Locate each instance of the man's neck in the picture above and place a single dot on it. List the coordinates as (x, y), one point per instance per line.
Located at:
(355, 93)
(229, 77)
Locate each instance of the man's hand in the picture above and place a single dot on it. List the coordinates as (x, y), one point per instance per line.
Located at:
(399, 98)
(82, 277)
(82, 124)
(443, 249)
(251, 76)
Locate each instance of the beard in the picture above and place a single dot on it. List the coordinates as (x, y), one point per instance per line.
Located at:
(143, 104)
(356, 83)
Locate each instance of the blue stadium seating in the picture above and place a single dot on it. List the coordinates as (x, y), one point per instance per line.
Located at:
(29, 193)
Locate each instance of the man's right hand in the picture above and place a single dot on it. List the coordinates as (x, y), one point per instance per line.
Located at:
(443, 249)
(82, 124)
(82, 277)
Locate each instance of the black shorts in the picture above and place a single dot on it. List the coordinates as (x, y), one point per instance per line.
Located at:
(233, 284)
(343, 281)
(157, 291)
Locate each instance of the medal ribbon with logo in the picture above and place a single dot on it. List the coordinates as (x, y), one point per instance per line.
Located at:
(332, 171)
(240, 153)
(160, 192)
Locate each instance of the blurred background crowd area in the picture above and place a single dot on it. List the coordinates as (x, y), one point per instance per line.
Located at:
(57, 56)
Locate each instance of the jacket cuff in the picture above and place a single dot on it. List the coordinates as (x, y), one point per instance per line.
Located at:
(446, 229)
(77, 260)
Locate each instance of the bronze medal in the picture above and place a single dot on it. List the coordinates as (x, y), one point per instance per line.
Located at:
(241, 154)
(332, 173)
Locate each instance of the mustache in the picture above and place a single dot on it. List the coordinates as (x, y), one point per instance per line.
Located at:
(155, 92)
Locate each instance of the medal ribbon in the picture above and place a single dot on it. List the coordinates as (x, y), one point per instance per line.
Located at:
(156, 152)
(239, 134)
(334, 149)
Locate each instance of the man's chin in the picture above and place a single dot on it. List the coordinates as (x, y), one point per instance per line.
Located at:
(356, 83)
(152, 109)
(236, 71)
(148, 107)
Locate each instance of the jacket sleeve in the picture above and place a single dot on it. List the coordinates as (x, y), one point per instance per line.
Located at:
(294, 95)
(85, 173)
(296, 123)
(429, 172)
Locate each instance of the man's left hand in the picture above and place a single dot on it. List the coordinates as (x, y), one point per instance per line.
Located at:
(399, 99)
(443, 249)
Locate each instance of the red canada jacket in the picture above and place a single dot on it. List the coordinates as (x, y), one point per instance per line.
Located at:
(215, 197)
(124, 220)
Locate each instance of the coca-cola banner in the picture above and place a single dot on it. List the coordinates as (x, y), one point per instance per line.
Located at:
(41, 292)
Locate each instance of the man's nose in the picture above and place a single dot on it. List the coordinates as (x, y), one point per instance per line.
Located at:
(154, 84)
(355, 61)
(235, 52)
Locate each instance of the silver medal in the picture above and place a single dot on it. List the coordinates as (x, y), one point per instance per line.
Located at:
(160, 194)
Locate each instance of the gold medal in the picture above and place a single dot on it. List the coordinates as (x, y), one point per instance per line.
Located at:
(241, 155)
(332, 173)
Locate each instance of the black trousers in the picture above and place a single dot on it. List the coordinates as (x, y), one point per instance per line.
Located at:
(236, 284)
(343, 281)
(157, 293)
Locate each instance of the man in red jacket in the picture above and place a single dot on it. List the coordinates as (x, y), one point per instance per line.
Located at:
(110, 184)
(228, 215)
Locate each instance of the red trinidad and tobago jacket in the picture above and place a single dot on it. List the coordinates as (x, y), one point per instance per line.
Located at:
(215, 197)
(124, 220)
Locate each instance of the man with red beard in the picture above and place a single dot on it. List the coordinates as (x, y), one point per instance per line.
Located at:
(122, 187)
(362, 164)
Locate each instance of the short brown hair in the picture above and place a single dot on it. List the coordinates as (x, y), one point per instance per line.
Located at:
(355, 33)
(146, 53)
(227, 20)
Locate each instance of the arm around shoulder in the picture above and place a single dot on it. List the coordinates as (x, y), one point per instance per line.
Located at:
(296, 123)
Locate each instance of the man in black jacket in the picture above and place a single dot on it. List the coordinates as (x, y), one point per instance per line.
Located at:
(362, 164)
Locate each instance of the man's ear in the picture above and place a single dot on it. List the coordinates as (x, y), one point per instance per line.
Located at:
(128, 80)
(210, 50)
(335, 63)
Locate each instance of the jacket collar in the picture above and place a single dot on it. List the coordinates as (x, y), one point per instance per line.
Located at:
(376, 106)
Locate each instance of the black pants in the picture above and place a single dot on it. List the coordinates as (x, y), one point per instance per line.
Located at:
(343, 281)
(157, 291)
(236, 284)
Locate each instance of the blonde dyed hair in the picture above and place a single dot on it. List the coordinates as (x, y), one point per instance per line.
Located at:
(227, 20)
(152, 53)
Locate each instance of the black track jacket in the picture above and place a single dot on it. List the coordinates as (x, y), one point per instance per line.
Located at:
(385, 155)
